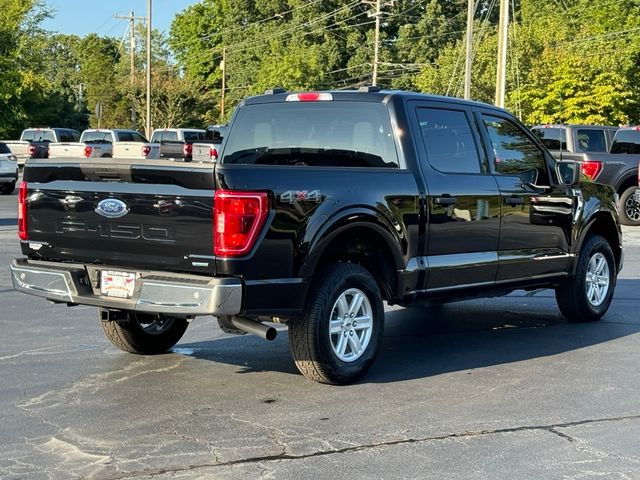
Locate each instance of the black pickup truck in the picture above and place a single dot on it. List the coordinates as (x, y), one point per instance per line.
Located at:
(322, 206)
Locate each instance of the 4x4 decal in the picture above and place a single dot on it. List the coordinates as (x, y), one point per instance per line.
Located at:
(293, 196)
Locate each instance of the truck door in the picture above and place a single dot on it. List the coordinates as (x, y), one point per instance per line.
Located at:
(536, 213)
(463, 200)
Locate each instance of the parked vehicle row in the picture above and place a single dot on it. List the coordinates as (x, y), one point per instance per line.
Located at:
(608, 155)
(119, 143)
(322, 206)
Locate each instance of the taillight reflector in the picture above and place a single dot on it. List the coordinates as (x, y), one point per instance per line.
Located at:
(238, 218)
(146, 150)
(213, 154)
(187, 149)
(22, 211)
(591, 168)
(310, 97)
(88, 151)
(32, 150)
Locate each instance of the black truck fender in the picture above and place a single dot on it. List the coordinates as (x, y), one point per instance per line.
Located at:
(360, 236)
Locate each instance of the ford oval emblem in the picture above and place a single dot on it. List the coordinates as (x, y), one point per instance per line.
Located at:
(112, 208)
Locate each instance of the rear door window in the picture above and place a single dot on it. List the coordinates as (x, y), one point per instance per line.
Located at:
(4, 148)
(448, 140)
(324, 133)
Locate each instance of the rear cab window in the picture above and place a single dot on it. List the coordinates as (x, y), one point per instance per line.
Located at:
(38, 136)
(322, 133)
(96, 137)
(68, 136)
(193, 136)
(551, 137)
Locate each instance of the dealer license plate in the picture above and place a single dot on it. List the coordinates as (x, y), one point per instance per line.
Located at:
(117, 284)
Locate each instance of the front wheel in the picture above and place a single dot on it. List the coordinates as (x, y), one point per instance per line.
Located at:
(340, 334)
(629, 207)
(587, 296)
(145, 334)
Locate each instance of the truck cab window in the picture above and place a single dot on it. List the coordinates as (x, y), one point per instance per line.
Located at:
(515, 154)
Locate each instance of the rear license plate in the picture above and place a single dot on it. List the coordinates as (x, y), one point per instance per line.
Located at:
(117, 284)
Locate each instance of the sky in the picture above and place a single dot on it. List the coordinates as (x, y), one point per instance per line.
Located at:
(96, 16)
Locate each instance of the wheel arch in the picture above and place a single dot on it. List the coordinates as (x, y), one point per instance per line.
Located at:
(360, 238)
(602, 223)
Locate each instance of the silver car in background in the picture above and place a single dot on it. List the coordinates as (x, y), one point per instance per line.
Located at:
(8, 170)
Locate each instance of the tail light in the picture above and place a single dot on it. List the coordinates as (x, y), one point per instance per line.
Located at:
(32, 150)
(213, 154)
(22, 211)
(146, 150)
(592, 168)
(88, 151)
(238, 218)
(187, 150)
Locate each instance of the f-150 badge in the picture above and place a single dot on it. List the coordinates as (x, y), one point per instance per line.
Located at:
(293, 196)
(112, 208)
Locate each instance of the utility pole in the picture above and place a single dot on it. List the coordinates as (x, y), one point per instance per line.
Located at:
(503, 34)
(467, 65)
(132, 51)
(223, 67)
(148, 129)
(376, 47)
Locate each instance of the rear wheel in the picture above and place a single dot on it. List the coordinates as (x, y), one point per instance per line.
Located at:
(587, 296)
(629, 207)
(145, 334)
(339, 336)
(7, 188)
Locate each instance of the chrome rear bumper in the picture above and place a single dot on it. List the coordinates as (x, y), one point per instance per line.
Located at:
(155, 292)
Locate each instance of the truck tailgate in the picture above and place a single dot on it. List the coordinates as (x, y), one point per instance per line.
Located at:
(121, 213)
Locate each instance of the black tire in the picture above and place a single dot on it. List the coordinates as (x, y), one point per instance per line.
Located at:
(312, 344)
(629, 208)
(145, 334)
(573, 297)
(7, 188)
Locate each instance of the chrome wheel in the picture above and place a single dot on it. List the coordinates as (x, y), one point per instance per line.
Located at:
(597, 279)
(351, 325)
(632, 208)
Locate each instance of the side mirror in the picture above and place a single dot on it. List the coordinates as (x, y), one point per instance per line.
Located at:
(568, 172)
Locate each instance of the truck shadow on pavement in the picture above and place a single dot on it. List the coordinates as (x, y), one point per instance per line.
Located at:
(427, 341)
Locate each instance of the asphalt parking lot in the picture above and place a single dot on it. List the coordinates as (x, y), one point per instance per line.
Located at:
(491, 389)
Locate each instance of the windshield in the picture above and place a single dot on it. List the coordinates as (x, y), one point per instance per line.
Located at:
(339, 134)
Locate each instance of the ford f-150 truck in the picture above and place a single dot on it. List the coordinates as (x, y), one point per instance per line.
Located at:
(208, 150)
(322, 206)
(34, 142)
(177, 143)
(605, 154)
(103, 143)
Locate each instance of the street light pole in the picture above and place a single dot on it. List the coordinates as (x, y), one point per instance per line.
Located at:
(148, 128)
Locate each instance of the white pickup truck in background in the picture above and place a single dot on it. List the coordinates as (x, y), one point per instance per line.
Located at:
(208, 150)
(116, 143)
(34, 142)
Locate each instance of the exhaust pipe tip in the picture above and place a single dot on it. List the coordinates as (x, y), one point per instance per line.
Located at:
(255, 328)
